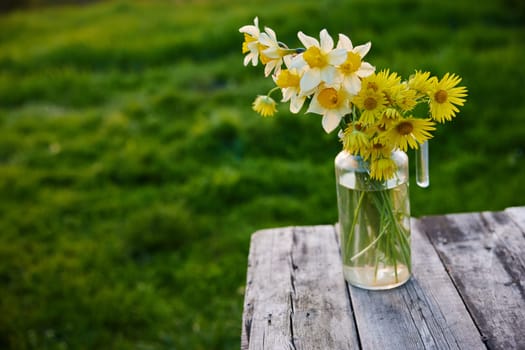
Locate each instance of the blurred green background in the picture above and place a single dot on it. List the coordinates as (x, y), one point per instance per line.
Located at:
(133, 170)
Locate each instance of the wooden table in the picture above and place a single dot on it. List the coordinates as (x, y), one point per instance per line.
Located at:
(467, 290)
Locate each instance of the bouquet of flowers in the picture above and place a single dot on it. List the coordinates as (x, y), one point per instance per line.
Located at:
(375, 111)
(378, 121)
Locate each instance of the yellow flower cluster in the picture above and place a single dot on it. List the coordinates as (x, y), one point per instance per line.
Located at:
(373, 110)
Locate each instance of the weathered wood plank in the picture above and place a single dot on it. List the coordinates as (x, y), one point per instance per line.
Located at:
(296, 297)
(517, 214)
(483, 253)
(425, 313)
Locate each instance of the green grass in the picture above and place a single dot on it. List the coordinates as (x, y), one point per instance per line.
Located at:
(133, 171)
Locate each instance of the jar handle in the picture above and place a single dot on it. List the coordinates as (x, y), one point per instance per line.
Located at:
(422, 174)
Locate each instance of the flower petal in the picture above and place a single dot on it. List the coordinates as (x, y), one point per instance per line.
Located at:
(328, 74)
(297, 62)
(337, 56)
(344, 42)
(252, 30)
(266, 40)
(271, 33)
(352, 84)
(327, 43)
(296, 103)
(365, 70)
(311, 78)
(362, 50)
(315, 107)
(251, 57)
(331, 121)
(306, 40)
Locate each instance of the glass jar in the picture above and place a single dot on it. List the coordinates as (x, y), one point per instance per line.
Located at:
(374, 222)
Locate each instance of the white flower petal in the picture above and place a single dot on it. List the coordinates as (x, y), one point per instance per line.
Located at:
(287, 94)
(247, 59)
(327, 43)
(297, 62)
(362, 50)
(270, 66)
(266, 40)
(252, 30)
(352, 84)
(328, 74)
(297, 103)
(314, 107)
(365, 70)
(330, 121)
(288, 61)
(307, 41)
(337, 56)
(344, 42)
(271, 33)
(310, 79)
(272, 52)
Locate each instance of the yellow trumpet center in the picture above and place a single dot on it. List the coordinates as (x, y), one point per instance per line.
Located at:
(352, 63)
(329, 98)
(287, 79)
(247, 39)
(314, 57)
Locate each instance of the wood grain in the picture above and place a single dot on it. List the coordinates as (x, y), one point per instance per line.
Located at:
(296, 296)
(466, 292)
(484, 254)
(424, 313)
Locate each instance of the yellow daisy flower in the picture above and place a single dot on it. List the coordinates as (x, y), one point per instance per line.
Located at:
(389, 83)
(404, 98)
(445, 95)
(355, 141)
(378, 149)
(388, 79)
(421, 82)
(371, 103)
(382, 169)
(390, 113)
(409, 132)
(265, 106)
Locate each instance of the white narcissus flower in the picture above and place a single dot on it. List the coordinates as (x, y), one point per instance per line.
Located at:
(272, 54)
(319, 61)
(353, 68)
(332, 102)
(251, 46)
(288, 80)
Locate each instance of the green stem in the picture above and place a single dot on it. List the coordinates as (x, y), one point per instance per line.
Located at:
(354, 221)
